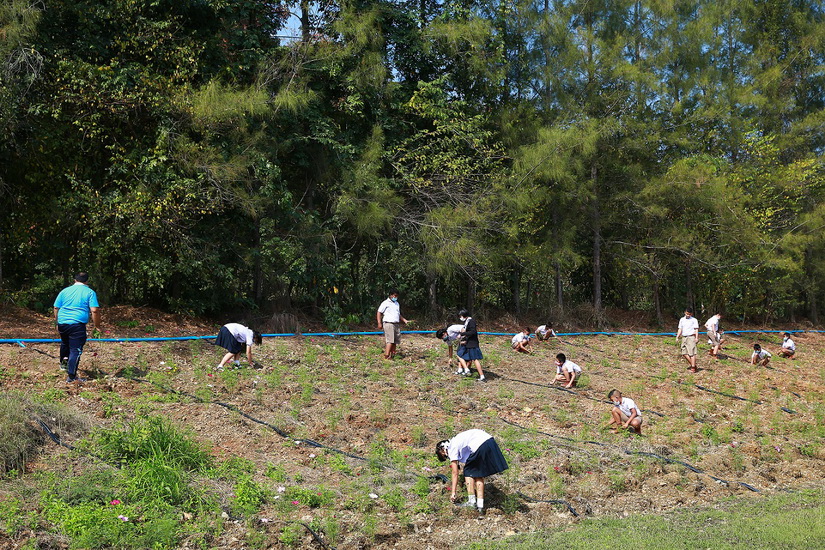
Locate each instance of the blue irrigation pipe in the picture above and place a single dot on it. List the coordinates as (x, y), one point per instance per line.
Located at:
(23, 341)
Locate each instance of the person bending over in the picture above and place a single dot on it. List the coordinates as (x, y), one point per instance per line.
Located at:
(235, 339)
(521, 341)
(450, 335)
(481, 456)
(760, 356)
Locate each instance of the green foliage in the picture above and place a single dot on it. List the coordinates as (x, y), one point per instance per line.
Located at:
(153, 439)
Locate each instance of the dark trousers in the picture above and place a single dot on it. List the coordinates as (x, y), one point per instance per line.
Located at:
(72, 339)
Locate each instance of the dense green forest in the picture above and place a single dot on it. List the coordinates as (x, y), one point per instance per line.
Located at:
(529, 155)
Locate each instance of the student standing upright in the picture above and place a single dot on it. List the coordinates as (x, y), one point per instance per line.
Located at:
(469, 348)
(72, 309)
(389, 319)
(688, 332)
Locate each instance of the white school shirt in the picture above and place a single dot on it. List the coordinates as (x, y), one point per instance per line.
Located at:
(454, 332)
(466, 443)
(241, 333)
(520, 337)
(689, 326)
(627, 405)
(391, 311)
(569, 365)
(761, 354)
(712, 324)
(788, 344)
(543, 330)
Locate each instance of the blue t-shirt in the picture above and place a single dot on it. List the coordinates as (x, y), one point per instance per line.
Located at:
(74, 303)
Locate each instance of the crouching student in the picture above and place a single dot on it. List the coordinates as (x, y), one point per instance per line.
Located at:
(788, 349)
(760, 356)
(450, 336)
(567, 371)
(481, 456)
(521, 342)
(235, 339)
(545, 332)
(625, 413)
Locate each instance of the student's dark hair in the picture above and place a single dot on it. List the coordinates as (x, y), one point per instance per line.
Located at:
(81, 277)
(393, 291)
(463, 313)
(757, 347)
(257, 338)
(788, 334)
(561, 357)
(688, 310)
(528, 329)
(438, 449)
(610, 394)
(441, 332)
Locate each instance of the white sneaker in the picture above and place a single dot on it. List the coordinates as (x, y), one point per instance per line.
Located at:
(482, 379)
(459, 371)
(467, 373)
(219, 368)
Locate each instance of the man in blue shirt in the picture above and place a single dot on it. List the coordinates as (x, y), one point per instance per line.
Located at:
(72, 309)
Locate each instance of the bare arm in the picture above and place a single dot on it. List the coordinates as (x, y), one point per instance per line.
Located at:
(633, 414)
(95, 317)
(454, 485)
(378, 319)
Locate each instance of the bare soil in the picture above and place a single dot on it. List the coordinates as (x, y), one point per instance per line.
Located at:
(338, 391)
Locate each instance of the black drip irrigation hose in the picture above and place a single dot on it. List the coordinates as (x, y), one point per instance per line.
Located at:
(315, 535)
(732, 396)
(641, 453)
(551, 501)
(573, 392)
(56, 438)
(309, 442)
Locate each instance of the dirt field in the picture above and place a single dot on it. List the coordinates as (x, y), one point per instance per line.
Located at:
(339, 392)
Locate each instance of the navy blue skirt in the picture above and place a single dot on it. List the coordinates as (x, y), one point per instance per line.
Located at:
(469, 354)
(228, 342)
(487, 460)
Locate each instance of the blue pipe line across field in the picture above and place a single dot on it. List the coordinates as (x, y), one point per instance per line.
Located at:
(22, 341)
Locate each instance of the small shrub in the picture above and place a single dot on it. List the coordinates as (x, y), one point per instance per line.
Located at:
(249, 496)
(310, 496)
(276, 472)
(395, 499)
(291, 534)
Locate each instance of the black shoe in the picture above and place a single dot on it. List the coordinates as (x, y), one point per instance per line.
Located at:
(64, 364)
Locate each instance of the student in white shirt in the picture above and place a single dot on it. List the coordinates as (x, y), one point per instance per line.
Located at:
(450, 336)
(788, 349)
(521, 341)
(688, 332)
(625, 413)
(567, 371)
(481, 456)
(760, 356)
(235, 339)
(389, 318)
(544, 332)
(714, 335)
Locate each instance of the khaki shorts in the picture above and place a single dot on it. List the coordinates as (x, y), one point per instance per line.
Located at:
(714, 337)
(392, 333)
(689, 346)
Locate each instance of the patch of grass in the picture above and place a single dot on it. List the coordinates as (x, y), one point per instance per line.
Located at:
(781, 521)
(151, 438)
(20, 435)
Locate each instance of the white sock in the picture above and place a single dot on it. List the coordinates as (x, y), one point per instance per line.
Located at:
(481, 377)
(480, 503)
(471, 499)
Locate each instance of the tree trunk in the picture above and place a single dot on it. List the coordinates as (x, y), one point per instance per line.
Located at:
(597, 242)
(471, 294)
(810, 287)
(432, 297)
(305, 30)
(556, 263)
(516, 290)
(657, 302)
